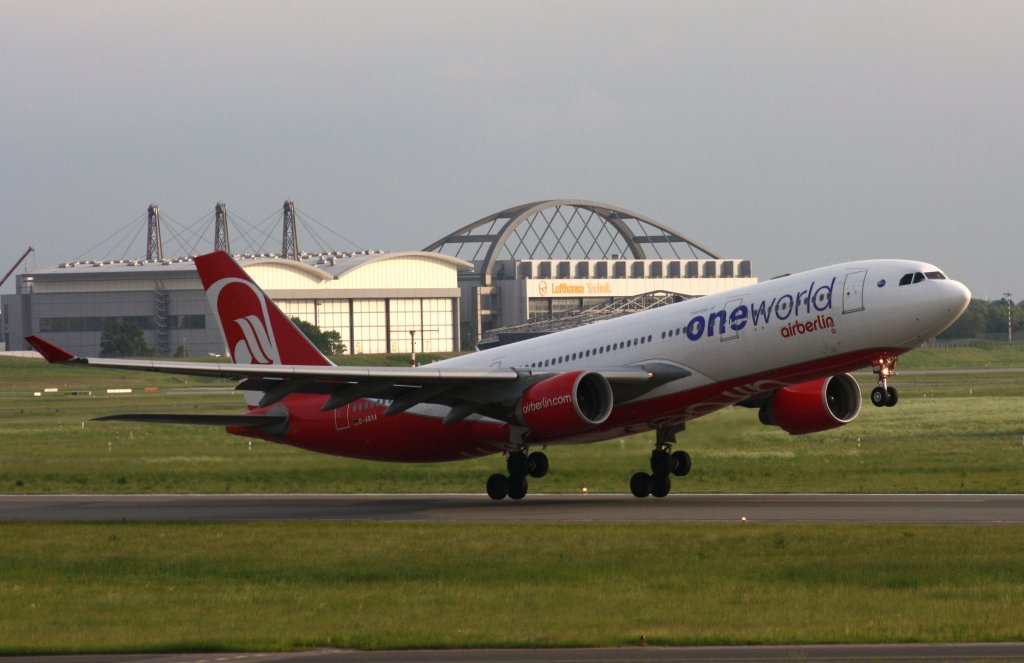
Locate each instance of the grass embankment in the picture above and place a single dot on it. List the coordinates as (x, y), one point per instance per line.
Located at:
(949, 433)
(245, 587)
(982, 356)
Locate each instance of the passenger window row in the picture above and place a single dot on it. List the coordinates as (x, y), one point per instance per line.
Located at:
(593, 352)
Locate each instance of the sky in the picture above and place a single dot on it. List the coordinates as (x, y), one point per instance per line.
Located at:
(795, 134)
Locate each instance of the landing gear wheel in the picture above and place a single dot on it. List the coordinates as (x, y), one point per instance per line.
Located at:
(661, 485)
(517, 488)
(538, 464)
(661, 462)
(664, 463)
(681, 463)
(497, 486)
(640, 484)
(518, 464)
(883, 395)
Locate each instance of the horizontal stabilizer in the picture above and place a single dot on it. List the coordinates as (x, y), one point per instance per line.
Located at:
(237, 420)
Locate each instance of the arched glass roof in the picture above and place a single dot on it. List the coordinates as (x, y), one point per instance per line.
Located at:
(566, 229)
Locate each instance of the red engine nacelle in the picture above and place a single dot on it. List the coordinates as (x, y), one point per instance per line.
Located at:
(566, 404)
(814, 406)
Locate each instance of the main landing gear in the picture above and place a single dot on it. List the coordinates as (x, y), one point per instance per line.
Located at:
(664, 464)
(519, 467)
(883, 395)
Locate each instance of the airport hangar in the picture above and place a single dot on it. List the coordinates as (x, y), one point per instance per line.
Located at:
(523, 266)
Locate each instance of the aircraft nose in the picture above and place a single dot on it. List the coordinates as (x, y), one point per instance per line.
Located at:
(957, 296)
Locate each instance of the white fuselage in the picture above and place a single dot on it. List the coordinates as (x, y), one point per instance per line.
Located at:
(828, 312)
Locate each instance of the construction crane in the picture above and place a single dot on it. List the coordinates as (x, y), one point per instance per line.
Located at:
(15, 266)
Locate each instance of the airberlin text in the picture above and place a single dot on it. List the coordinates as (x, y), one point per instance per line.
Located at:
(544, 403)
(813, 300)
(800, 327)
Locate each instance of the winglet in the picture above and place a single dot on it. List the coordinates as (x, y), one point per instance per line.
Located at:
(50, 352)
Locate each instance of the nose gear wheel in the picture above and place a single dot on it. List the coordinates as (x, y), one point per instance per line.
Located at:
(884, 395)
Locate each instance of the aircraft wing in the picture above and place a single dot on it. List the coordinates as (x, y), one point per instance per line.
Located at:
(467, 391)
(56, 355)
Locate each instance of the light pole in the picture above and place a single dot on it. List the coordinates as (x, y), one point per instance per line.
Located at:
(1009, 317)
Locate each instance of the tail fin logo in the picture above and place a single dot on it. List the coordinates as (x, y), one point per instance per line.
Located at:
(256, 347)
(243, 315)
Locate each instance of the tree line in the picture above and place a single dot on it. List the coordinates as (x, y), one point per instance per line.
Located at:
(984, 319)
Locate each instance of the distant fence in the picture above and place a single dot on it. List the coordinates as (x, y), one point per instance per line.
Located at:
(971, 342)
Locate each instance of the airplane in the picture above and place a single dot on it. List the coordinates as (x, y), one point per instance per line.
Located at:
(784, 346)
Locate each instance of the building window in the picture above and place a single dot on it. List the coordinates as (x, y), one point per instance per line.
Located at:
(561, 305)
(97, 323)
(369, 326)
(538, 309)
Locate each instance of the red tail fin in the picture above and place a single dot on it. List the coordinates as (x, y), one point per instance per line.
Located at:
(257, 332)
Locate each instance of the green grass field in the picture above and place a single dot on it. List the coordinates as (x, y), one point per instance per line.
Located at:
(271, 586)
(949, 433)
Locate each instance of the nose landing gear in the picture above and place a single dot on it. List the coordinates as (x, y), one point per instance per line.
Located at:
(884, 395)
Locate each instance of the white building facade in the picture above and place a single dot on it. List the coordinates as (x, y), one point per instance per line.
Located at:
(531, 262)
(377, 302)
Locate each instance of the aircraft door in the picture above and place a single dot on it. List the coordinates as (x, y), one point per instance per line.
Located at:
(731, 333)
(853, 291)
(341, 417)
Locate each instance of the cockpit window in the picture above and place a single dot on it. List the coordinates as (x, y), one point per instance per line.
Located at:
(935, 275)
(917, 277)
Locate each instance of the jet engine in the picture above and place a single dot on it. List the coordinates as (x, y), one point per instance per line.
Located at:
(814, 406)
(566, 404)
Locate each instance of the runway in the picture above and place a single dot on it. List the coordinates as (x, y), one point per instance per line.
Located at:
(681, 508)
